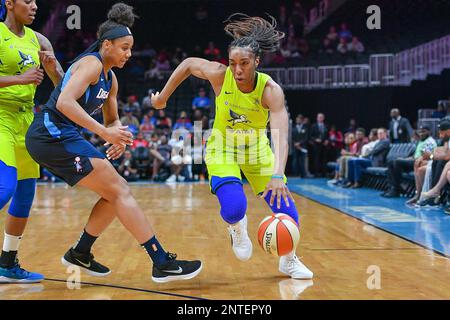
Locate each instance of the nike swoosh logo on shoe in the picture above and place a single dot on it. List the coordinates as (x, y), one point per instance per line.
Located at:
(174, 271)
(87, 265)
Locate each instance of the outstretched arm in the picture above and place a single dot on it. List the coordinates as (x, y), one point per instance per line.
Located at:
(214, 72)
(273, 98)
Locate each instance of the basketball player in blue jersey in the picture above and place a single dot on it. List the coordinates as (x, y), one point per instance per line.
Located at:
(245, 102)
(22, 53)
(54, 141)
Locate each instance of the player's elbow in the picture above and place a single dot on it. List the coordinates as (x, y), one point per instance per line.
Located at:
(63, 104)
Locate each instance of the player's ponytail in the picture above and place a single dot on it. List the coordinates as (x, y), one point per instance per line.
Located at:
(255, 33)
(120, 19)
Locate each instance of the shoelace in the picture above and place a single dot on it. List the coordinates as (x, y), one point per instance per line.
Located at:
(237, 235)
(171, 256)
(292, 262)
(19, 270)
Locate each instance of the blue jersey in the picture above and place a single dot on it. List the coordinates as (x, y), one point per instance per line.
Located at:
(91, 101)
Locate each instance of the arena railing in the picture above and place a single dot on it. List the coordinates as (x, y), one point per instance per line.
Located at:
(386, 69)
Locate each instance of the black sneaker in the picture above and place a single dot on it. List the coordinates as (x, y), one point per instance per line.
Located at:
(86, 262)
(447, 209)
(176, 270)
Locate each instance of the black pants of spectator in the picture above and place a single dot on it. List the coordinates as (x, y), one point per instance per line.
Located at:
(436, 170)
(299, 163)
(319, 159)
(395, 169)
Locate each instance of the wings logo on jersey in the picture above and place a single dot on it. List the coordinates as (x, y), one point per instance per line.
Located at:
(102, 94)
(238, 118)
(26, 60)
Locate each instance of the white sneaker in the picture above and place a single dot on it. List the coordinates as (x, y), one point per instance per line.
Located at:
(172, 178)
(242, 245)
(181, 178)
(293, 267)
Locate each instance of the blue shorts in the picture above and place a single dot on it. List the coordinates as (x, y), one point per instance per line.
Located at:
(59, 147)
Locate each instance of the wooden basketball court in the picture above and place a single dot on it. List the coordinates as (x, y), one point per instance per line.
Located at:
(340, 250)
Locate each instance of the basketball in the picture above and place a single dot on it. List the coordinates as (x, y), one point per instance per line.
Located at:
(278, 234)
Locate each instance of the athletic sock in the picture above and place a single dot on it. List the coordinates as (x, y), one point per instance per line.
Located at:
(85, 243)
(155, 251)
(9, 253)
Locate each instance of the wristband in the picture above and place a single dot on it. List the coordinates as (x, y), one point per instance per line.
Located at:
(276, 176)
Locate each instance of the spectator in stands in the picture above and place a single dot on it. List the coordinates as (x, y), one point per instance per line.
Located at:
(327, 47)
(178, 56)
(183, 122)
(180, 158)
(130, 120)
(375, 158)
(440, 157)
(211, 52)
(128, 168)
(361, 139)
(163, 122)
(162, 160)
(351, 127)
(300, 136)
(200, 117)
(345, 33)
(298, 18)
(343, 47)
(201, 101)
(368, 147)
(319, 142)
(336, 139)
(153, 72)
(133, 105)
(146, 104)
(303, 47)
(356, 46)
(293, 46)
(146, 127)
(333, 37)
(395, 167)
(400, 130)
(162, 62)
(441, 110)
(350, 150)
(140, 141)
(362, 150)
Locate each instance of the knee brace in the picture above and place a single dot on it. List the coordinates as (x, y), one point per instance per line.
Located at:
(290, 211)
(23, 198)
(8, 183)
(233, 203)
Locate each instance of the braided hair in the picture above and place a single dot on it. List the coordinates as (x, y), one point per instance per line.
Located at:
(255, 33)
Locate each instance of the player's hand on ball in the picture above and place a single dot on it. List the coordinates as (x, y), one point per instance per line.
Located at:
(157, 101)
(115, 151)
(279, 190)
(117, 135)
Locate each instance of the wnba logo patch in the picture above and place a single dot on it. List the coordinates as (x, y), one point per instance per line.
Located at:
(78, 165)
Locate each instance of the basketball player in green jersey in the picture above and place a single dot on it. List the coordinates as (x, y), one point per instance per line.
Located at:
(22, 51)
(245, 102)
